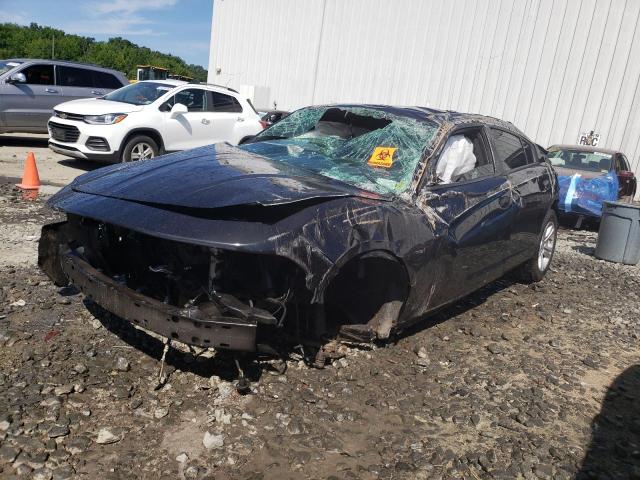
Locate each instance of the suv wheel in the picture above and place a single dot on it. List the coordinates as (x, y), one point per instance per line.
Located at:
(139, 147)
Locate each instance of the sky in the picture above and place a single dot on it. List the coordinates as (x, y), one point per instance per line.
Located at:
(178, 27)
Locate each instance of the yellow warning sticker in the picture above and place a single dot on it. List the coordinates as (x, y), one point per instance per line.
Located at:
(382, 157)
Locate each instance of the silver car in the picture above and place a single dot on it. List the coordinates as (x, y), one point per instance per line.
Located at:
(29, 89)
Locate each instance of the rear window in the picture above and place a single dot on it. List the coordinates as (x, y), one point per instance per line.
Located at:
(105, 80)
(225, 103)
(509, 149)
(74, 77)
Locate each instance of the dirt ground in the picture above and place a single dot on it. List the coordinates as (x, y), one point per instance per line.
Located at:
(516, 381)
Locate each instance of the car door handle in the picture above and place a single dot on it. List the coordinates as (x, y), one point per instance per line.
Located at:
(240, 119)
(50, 90)
(94, 92)
(205, 121)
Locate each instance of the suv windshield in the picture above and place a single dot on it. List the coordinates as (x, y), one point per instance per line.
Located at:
(141, 93)
(581, 160)
(365, 147)
(6, 65)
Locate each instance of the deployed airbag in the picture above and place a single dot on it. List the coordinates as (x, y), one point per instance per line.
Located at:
(457, 158)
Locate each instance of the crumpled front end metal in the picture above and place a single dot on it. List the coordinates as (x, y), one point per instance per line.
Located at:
(177, 300)
(197, 326)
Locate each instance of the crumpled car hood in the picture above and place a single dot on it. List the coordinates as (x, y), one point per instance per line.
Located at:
(96, 106)
(215, 176)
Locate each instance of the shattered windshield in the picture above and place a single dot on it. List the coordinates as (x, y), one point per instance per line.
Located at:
(365, 147)
(141, 93)
(581, 160)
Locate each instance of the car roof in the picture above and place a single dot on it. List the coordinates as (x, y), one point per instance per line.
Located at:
(584, 148)
(65, 62)
(440, 117)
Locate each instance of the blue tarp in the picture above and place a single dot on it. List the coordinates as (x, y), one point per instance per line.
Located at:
(584, 196)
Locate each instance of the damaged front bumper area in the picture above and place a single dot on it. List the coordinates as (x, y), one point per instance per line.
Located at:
(193, 325)
(206, 318)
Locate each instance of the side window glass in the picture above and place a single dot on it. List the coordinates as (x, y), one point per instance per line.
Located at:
(225, 103)
(617, 163)
(39, 75)
(105, 80)
(508, 149)
(529, 151)
(625, 163)
(464, 157)
(74, 77)
(195, 99)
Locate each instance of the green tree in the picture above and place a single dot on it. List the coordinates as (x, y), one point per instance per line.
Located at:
(36, 41)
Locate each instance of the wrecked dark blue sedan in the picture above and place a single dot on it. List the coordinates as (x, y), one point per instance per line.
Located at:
(348, 222)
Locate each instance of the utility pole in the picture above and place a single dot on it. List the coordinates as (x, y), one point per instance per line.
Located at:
(53, 46)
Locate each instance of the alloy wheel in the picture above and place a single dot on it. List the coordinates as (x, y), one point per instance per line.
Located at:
(141, 151)
(547, 246)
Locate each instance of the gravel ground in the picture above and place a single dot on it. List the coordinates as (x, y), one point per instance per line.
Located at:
(516, 381)
(54, 169)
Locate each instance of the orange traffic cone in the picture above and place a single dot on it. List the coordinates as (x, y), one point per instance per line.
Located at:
(30, 178)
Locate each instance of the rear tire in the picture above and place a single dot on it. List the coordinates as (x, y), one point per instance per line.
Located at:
(139, 147)
(535, 269)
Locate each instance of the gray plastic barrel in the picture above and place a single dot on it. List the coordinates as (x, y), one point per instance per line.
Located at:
(619, 235)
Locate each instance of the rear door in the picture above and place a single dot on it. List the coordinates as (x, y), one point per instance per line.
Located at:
(227, 117)
(28, 106)
(530, 179)
(77, 82)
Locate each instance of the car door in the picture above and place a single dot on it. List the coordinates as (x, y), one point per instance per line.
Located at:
(77, 82)
(530, 179)
(228, 117)
(28, 105)
(479, 207)
(626, 178)
(192, 129)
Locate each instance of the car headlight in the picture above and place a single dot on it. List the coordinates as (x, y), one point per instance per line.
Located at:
(108, 119)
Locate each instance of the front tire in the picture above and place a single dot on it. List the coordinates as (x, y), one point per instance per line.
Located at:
(139, 147)
(535, 269)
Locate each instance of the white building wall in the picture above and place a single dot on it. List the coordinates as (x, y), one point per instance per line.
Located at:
(555, 68)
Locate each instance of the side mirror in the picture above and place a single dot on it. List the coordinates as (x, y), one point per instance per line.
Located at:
(178, 109)
(18, 78)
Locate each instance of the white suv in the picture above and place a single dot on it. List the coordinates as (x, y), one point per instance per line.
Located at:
(145, 119)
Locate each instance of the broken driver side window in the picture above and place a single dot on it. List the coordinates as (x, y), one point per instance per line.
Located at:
(464, 157)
